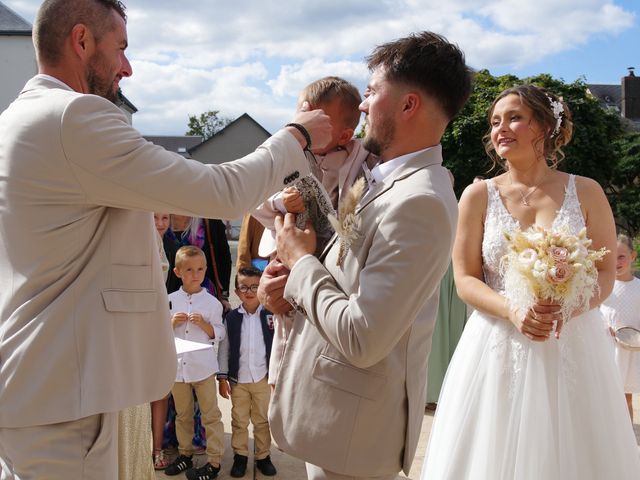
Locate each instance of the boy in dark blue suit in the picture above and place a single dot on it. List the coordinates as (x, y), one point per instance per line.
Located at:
(244, 361)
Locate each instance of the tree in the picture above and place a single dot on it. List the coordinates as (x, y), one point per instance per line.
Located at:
(207, 124)
(624, 189)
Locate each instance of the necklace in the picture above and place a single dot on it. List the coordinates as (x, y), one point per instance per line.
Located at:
(524, 197)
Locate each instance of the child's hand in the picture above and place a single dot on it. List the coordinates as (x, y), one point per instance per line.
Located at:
(224, 388)
(292, 200)
(178, 319)
(197, 319)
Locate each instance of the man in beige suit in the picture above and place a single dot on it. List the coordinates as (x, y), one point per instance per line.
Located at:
(84, 316)
(349, 398)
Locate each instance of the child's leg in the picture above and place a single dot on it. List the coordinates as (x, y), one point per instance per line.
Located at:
(183, 399)
(240, 412)
(260, 395)
(211, 418)
(158, 419)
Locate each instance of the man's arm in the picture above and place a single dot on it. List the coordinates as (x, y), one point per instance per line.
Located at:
(407, 258)
(116, 167)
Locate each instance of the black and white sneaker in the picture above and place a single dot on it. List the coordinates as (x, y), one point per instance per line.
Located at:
(179, 465)
(205, 472)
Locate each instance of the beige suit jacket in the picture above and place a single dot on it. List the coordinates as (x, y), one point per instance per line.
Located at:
(350, 393)
(84, 317)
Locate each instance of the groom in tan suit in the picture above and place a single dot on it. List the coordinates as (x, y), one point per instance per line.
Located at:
(349, 398)
(84, 315)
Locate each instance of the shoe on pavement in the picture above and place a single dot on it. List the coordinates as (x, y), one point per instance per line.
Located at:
(205, 472)
(266, 467)
(239, 467)
(179, 465)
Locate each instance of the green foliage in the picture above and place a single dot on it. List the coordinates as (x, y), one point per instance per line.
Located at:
(207, 124)
(600, 148)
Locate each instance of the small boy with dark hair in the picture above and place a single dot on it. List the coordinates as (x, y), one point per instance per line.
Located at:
(196, 316)
(244, 363)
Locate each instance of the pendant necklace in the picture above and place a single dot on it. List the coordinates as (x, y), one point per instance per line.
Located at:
(524, 197)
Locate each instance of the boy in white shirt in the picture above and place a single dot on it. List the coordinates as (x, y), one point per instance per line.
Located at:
(196, 316)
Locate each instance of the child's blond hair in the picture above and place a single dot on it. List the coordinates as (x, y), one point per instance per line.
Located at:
(188, 251)
(326, 89)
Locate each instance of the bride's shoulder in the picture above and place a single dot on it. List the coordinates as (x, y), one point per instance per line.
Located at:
(475, 196)
(588, 190)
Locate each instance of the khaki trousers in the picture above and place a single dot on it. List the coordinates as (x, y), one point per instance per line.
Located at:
(316, 473)
(84, 449)
(211, 417)
(250, 401)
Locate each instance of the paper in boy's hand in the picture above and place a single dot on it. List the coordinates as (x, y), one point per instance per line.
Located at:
(185, 346)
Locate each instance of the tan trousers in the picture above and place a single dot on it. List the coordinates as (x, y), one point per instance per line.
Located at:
(211, 417)
(316, 473)
(84, 449)
(250, 401)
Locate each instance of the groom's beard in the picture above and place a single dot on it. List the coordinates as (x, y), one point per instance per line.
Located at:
(378, 143)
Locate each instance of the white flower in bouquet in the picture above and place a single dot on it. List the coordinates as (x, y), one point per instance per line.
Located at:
(556, 266)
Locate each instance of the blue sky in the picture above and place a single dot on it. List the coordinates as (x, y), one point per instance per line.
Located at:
(254, 56)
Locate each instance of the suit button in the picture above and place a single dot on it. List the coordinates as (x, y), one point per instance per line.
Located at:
(296, 174)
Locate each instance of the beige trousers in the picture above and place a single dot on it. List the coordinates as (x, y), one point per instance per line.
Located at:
(84, 449)
(250, 401)
(211, 417)
(316, 473)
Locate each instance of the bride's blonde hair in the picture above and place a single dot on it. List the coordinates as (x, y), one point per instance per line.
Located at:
(549, 111)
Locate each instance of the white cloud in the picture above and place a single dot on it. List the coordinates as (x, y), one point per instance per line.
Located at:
(254, 57)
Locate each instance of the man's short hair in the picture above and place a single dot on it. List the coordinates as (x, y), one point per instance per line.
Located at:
(248, 272)
(188, 251)
(327, 88)
(56, 18)
(427, 61)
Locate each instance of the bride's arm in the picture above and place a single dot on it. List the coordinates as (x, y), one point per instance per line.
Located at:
(469, 278)
(601, 229)
(467, 254)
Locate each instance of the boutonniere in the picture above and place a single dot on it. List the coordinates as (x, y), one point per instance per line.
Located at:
(348, 223)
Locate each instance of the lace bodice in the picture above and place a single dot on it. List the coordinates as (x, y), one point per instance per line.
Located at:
(498, 220)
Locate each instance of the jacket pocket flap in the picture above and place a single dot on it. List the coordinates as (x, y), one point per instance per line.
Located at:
(348, 378)
(133, 301)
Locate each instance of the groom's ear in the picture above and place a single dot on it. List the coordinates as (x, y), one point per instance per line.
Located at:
(411, 103)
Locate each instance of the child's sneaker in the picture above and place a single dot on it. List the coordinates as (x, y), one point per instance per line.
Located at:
(179, 465)
(205, 472)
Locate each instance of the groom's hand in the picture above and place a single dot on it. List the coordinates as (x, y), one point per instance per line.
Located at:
(292, 242)
(271, 288)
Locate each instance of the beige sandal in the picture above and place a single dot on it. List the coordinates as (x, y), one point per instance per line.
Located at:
(160, 462)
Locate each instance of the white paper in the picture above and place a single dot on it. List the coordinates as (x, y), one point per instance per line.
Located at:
(184, 346)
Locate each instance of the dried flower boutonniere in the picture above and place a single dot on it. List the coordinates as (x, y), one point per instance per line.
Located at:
(348, 223)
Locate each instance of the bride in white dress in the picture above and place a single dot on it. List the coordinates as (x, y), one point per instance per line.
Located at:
(522, 400)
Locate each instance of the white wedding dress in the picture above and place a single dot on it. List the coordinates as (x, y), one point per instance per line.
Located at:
(513, 409)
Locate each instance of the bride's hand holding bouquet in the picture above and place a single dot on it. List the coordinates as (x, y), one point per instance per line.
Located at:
(548, 275)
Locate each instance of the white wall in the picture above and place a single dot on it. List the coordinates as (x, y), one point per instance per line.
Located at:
(17, 64)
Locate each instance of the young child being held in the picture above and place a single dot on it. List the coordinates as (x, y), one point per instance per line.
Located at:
(244, 360)
(340, 163)
(196, 316)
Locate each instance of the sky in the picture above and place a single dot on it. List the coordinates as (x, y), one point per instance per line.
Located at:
(250, 56)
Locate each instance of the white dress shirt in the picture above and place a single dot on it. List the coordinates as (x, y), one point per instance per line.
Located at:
(253, 353)
(196, 366)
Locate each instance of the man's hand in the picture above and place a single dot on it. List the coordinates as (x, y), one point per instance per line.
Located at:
(292, 200)
(271, 288)
(316, 122)
(292, 242)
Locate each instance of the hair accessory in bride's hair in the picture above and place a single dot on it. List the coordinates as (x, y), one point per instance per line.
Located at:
(558, 112)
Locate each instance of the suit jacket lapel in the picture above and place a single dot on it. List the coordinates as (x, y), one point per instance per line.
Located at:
(431, 157)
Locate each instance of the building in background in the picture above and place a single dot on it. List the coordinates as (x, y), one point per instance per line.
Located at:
(623, 98)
